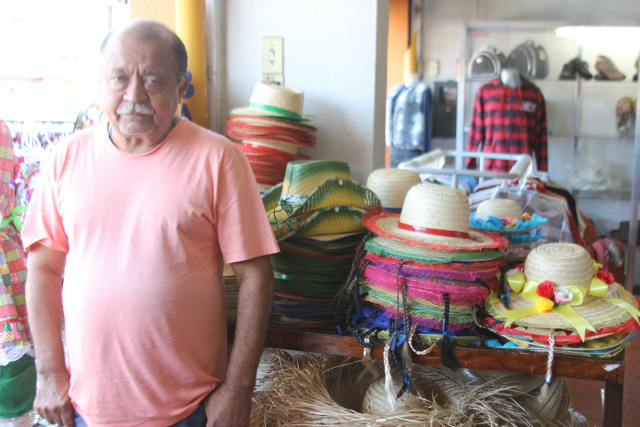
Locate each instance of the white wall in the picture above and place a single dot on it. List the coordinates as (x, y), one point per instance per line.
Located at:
(334, 50)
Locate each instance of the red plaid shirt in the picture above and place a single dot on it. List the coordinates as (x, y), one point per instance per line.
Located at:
(510, 121)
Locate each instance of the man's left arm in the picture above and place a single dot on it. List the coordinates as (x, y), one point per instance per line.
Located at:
(230, 403)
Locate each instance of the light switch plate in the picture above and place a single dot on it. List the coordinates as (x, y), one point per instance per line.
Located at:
(272, 55)
(431, 68)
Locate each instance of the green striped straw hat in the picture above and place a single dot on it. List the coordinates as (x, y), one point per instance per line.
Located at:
(273, 100)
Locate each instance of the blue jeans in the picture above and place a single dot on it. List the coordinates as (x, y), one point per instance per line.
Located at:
(197, 419)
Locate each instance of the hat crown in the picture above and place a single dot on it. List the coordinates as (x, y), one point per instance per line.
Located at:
(563, 264)
(499, 208)
(392, 184)
(273, 95)
(303, 176)
(436, 206)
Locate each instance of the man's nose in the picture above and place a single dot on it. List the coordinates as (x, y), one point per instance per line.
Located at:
(135, 92)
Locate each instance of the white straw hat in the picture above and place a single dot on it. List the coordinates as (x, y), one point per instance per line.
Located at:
(499, 208)
(273, 100)
(392, 184)
(435, 216)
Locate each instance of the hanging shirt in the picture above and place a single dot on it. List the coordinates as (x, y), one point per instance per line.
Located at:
(408, 121)
(509, 121)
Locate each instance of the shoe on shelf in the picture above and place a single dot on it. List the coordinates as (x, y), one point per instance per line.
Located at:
(568, 72)
(624, 115)
(582, 68)
(607, 68)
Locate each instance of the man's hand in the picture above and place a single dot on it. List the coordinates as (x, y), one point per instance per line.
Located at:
(52, 399)
(229, 406)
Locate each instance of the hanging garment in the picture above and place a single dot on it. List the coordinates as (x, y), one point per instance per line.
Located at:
(509, 121)
(408, 121)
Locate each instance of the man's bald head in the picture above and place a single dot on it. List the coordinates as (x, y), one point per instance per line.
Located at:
(142, 30)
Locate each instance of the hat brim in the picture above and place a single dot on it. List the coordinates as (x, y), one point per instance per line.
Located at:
(602, 346)
(248, 111)
(270, 122)
(390, 247)
(598, 312)
(332, 193)
(328, 220)
(385, 224)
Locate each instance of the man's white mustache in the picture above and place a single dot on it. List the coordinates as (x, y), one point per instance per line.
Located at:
(135, 108)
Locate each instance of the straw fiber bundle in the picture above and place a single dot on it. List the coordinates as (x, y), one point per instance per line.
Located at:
(329, 391)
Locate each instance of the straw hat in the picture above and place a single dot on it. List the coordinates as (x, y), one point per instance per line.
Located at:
(317, 197)
(506, 217)
(434, 216)
(391, 185)
(273, 100)
(396, 249)
(499, 208)
(561, 288)
(376, 401)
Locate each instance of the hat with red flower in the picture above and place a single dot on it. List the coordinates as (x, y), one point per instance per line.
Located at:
(561, 290)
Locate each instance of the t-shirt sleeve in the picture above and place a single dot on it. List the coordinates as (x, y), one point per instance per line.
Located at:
(43, 223)
(242, 225)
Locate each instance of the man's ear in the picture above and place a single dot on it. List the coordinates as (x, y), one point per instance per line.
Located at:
(183, 86)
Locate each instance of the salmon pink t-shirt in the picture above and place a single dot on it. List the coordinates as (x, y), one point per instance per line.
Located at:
(146, 236)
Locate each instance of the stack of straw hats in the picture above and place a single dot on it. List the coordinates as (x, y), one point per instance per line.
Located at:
(421, 273)
(270, 130)
(505, 216)
(561, 300)
(315, 215)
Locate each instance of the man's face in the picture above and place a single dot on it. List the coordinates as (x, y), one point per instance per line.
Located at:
(138, 87)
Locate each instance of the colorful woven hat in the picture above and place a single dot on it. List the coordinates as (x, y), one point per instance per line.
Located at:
(391, 186)
(433, 216)
(317, 197)
(562, 288)
(396, 249)
(504, 216)
(273, 100)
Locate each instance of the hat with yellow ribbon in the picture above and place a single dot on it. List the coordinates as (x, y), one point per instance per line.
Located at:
(562, 288)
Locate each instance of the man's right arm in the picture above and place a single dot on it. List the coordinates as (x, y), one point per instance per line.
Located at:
(44, 309)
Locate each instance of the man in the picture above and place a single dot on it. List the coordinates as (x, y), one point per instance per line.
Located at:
(140, 214)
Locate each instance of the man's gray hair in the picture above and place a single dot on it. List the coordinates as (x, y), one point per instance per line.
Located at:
(145, 30)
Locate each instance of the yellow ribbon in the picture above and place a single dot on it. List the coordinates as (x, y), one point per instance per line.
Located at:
(597, 288)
